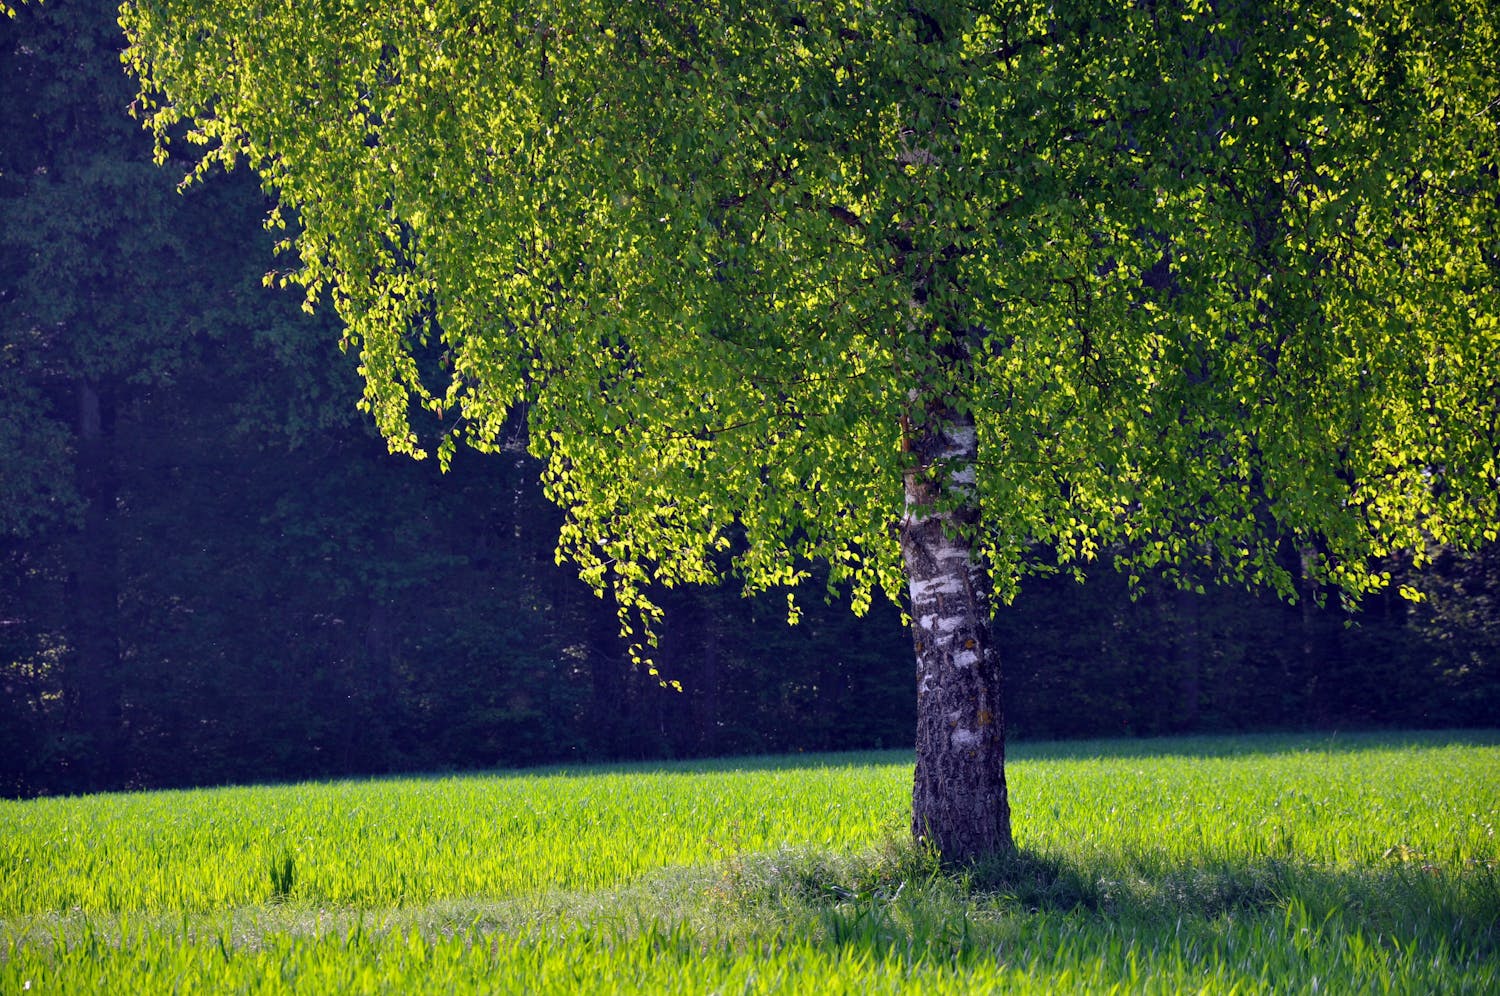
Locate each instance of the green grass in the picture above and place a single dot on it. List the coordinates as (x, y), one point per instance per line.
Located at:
(1344, 864)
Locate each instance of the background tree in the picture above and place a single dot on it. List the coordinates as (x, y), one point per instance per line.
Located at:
(264, 625)
(929, 293)
(178, 602)
(89, 322)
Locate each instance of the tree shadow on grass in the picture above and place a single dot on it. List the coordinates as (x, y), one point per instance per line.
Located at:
(1400, 897)
(1033, 882)
(900, 898)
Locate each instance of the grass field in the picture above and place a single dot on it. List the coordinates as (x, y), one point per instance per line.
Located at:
(1361, 863)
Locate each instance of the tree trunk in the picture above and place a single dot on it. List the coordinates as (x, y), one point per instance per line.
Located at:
(93, 597)
(1188, 650)
(610, 708)
(959, 802)
(706, 626)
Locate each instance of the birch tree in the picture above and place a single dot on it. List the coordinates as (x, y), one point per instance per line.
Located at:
(934, 293)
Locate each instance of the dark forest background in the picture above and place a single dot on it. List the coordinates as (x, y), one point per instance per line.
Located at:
(211, 570)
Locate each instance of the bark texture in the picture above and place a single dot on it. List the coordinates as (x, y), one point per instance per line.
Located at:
(959, 801)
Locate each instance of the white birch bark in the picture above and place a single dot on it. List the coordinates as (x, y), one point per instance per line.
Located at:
(959, 801)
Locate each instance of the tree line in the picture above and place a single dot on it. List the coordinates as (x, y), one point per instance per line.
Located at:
(212, 570)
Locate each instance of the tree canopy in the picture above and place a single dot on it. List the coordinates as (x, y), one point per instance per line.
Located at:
(1184, 283)
(1220, 273)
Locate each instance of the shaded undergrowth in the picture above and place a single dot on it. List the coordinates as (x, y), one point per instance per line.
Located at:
(900, 897)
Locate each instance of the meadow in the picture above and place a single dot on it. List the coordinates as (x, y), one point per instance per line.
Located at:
(1344, 863)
